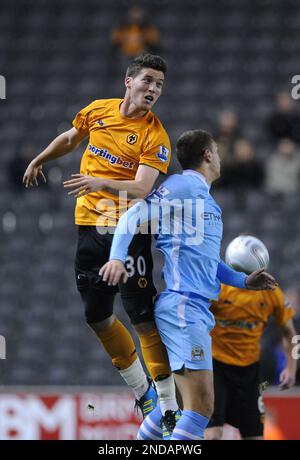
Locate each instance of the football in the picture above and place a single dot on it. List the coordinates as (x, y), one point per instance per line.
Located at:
(247, 253)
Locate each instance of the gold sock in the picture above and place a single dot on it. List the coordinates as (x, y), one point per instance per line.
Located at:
(118, 343)
(155, 354)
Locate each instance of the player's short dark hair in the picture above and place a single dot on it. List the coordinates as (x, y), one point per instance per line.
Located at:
(191, 146)
(146, 61)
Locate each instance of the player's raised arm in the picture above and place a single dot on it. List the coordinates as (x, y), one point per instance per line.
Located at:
(231, 277)
(61, 145)
(256, 281)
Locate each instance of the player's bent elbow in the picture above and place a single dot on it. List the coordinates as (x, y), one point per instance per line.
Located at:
(65, 141)
(72, 138)
(144, 191)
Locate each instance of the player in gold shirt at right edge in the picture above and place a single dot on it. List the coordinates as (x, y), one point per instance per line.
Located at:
(241, 316)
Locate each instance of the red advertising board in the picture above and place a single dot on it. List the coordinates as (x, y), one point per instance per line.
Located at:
(283, 415)
(106, 415)
(102, 416)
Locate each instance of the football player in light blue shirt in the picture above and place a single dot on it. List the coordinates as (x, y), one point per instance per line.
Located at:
(188, 227)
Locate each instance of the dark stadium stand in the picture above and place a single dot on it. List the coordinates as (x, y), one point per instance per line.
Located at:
(56, 58)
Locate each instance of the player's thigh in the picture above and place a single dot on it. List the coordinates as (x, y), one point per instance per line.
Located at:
(93, 252)
(181, 322)
(245, 410)
(221, 391)
(138, 293)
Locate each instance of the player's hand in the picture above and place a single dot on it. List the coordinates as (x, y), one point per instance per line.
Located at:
(82, 184)
(287, 379)
(260, 280)
(31, 174)
(113, 271)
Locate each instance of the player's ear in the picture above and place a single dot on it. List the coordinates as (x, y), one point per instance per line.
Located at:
(207, 155)
(128, 81)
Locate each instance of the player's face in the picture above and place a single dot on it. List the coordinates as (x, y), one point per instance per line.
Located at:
(216, 161)
(145, 88)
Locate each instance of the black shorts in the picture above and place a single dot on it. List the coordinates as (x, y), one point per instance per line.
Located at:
(237, 398)
(137, 294)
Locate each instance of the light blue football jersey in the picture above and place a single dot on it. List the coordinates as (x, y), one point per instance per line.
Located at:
(193, 254)
(188, 232)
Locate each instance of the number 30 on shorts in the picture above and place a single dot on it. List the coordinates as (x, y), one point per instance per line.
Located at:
(140, 266)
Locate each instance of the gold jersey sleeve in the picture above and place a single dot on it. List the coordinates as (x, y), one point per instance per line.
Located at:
(116, 147)
(81, 120)
(241, 316)
(282, 309)
(156, 149)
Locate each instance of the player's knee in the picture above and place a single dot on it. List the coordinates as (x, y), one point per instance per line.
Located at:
(145, 327)
(100, 326)
(214, 434)
(199, 401)
(207, 398)
(207, 406)
(98, 308)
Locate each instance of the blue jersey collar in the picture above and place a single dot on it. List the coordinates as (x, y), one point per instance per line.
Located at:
(192, 172)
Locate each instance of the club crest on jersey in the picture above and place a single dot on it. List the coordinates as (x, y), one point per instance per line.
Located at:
(197, 353)
(100, 123)
(162, 191)
(132, 138)
(163, 153)
(142, 282)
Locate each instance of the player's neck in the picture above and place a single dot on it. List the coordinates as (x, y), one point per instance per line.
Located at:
(207, 174)
(130, 110)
